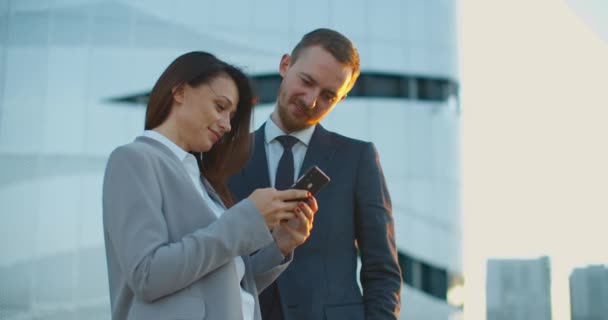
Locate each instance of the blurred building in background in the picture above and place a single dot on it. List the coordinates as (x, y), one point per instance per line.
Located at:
(589, 293)
(74, 79)
(518, 289)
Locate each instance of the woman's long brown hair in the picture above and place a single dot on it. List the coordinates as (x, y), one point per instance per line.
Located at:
(230, 153)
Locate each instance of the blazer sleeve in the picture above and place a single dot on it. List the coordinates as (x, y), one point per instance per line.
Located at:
(136, 229)
(380, 271)
(267, 264)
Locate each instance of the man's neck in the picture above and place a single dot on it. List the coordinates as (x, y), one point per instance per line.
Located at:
(277, 120)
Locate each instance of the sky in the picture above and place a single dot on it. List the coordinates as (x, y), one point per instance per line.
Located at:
(534, 95)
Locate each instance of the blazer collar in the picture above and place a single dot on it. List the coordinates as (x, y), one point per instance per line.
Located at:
(161, 147)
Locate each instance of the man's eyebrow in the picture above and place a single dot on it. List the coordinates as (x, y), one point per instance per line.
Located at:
(311, 79)
(308, 77)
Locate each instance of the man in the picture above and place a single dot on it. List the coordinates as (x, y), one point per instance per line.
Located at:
(354, 214)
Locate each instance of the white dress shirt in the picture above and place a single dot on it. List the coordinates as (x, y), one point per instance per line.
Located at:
(274, 149)
(191, 166)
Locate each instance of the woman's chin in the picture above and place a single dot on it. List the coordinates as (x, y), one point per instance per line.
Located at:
(206, 147)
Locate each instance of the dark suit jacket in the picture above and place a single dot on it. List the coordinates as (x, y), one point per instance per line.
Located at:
(354, 212)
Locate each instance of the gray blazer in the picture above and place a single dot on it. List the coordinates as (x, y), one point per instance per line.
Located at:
(168, 255)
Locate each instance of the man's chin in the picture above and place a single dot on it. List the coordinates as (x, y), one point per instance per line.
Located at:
(293, 123)
(292, 126)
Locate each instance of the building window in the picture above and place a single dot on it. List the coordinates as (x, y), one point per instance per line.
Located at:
(435, 89)
(405, 262)
(381, 85)
(266, 87)
(432, 280)
(369, 85)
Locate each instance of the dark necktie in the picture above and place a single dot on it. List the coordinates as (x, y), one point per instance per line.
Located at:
(270, 301)
(285, 169)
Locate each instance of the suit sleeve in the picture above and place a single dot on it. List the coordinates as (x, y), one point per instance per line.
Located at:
(136, 229)
(380, 272)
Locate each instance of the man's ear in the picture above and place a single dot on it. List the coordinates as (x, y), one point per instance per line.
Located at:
(284, 65)
(178, 94)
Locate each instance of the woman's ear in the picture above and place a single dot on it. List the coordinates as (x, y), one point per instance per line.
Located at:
(178, 94)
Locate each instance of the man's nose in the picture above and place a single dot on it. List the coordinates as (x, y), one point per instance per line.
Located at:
(310, 99)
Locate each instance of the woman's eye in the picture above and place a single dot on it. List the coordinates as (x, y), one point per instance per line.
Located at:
(220, 107)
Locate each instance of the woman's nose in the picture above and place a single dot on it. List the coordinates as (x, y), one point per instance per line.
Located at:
(225, 123)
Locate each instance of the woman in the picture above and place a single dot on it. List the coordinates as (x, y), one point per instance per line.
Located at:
(174, 250)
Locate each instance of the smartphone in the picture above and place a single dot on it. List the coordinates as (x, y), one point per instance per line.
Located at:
(313, 180)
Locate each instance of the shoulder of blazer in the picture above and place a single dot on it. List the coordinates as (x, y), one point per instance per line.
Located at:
(337, 139)
(144, 145)
(144, 151)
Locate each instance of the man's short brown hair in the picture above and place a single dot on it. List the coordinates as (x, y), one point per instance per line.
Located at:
(339, 46)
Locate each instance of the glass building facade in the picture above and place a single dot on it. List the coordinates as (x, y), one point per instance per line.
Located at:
(74, 78)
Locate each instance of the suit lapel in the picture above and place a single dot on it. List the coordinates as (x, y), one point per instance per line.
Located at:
(320, 150)
(256, 171)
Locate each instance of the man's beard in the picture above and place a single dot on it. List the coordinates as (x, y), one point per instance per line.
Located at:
(290, 123)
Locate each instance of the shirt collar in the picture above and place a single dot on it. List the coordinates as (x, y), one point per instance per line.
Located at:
(179, 152)
(272, 131)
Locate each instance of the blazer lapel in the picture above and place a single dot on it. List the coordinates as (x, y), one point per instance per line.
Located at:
(320, 150)
(179, 168)
(211, 192)
(256, 171)
(177, 164)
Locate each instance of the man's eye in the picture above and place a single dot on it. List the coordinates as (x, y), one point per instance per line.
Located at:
(307, 82)
(330, 97)
(220, 107)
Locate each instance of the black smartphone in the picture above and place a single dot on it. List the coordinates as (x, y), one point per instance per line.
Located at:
(313, 180)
